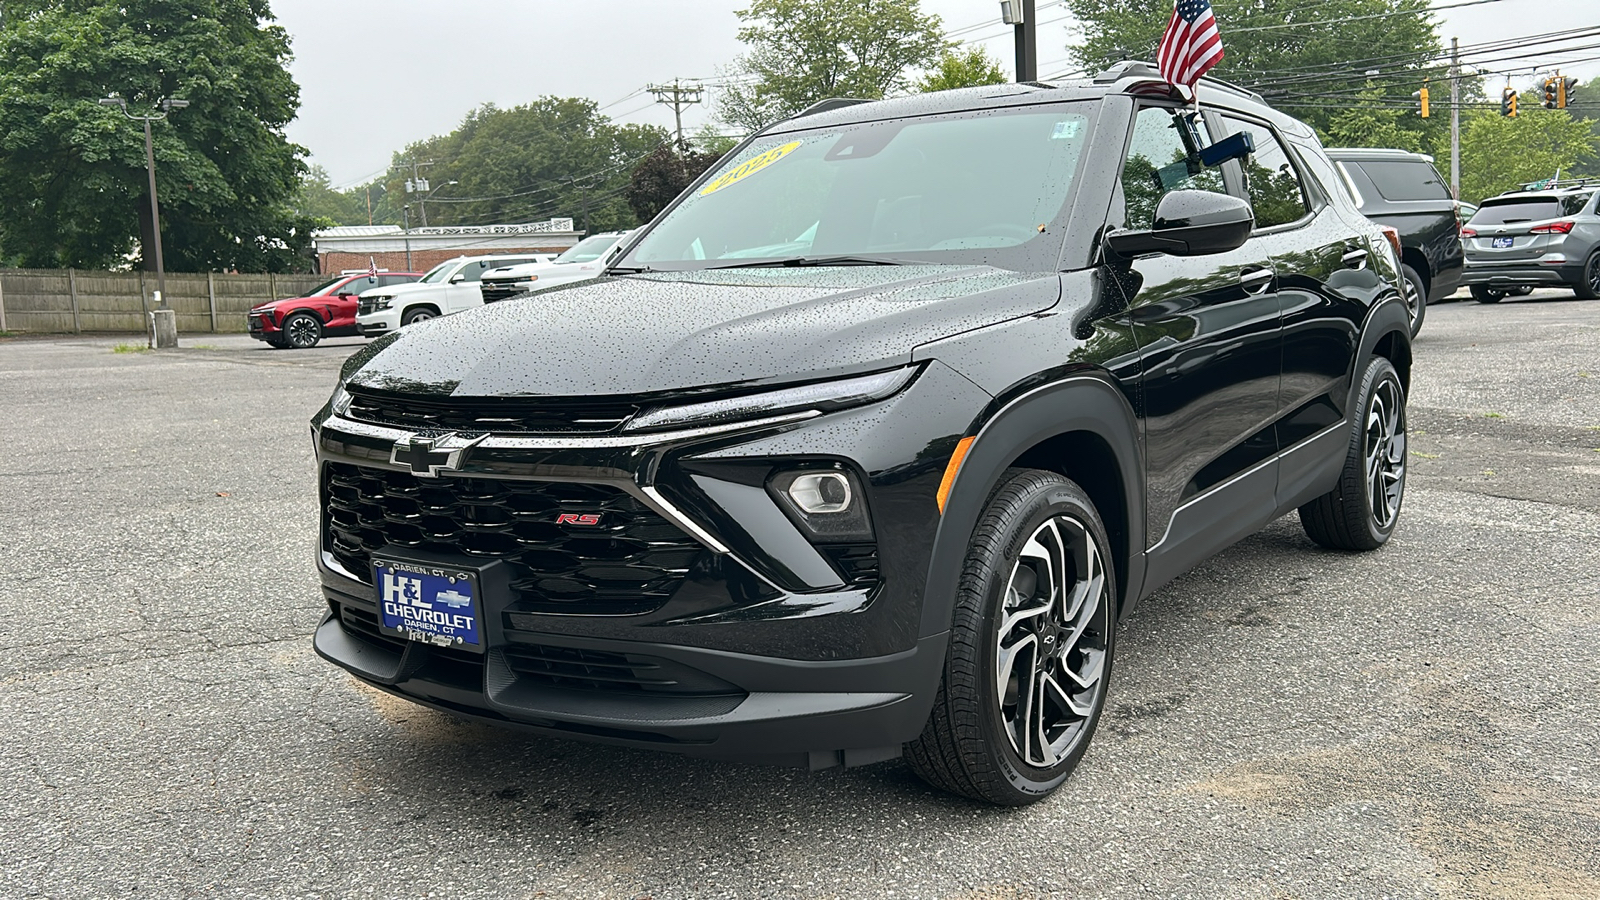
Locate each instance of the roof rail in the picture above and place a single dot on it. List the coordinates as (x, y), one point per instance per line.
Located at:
(1556, 184)
(1136, 68)
(822, 106)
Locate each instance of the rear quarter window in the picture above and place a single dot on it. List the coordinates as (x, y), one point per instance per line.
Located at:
(1572, 204)
(1405, 179)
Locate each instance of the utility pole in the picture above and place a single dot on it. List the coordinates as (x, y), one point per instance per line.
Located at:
(1455, 118)
(677, 95)
(405, 226)
(416, 184)
(1020, 14)
(163, 323)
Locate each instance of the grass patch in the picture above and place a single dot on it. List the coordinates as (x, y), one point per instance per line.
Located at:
(130, 348)
(9, 333)
(1493, 415)
(203, 347)
(1424, 455)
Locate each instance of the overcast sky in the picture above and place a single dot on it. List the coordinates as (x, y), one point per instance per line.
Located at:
(375, 75)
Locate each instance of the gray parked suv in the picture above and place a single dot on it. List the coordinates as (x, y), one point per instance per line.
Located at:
(1543, 238)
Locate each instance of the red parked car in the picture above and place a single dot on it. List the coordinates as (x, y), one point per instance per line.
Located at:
(328, 311)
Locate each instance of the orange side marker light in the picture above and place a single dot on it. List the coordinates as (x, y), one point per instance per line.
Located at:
(950, 470)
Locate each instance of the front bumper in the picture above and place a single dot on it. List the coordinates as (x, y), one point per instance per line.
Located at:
(771, 662)
(261, 327)
(378, 322)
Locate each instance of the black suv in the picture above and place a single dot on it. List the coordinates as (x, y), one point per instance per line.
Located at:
(1404, 191)
(869, 441)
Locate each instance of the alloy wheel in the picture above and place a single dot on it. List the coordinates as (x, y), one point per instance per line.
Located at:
(1414, 300)
(302, 331)
(1593, 274)
(1051, 648)
(1385, 447)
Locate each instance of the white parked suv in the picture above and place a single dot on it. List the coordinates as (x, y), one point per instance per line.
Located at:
(449, 287)
(584, 260)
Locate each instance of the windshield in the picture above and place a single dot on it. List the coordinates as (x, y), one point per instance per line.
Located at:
(963, 188)
(325, 287)
(588, 249)
(439, 273)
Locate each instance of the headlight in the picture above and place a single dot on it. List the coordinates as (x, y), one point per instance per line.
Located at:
(381, 302)
(823, 397)
(527, 282)
(341, 400)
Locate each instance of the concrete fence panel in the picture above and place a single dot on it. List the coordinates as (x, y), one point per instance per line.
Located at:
(80, 300)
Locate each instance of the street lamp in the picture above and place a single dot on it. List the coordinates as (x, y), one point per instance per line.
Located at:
(166, 336)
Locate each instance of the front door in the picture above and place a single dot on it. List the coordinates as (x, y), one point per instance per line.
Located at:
(1211, 356)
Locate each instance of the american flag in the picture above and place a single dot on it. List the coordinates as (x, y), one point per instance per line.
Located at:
(1191, 45)
(372, 267)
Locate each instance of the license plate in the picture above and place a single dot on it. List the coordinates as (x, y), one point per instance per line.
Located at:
(430, 604)
(1501, 242)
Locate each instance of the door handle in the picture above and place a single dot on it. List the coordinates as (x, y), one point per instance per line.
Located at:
(1355, 259)
(1254, 281)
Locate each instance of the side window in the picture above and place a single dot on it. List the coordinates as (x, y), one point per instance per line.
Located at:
(1157, 161)
(357, 285)
(1274, 185)
(390, 280)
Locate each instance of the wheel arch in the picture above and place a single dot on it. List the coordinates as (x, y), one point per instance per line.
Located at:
(409, 308)
(1386, 333)
(1082, 428)
(1416, 259)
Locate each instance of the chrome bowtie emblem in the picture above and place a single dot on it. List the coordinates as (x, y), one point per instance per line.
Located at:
(428, 454)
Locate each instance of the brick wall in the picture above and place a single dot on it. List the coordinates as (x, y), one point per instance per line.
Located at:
(421, 260)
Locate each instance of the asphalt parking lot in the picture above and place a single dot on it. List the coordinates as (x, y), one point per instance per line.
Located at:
(1284, 721)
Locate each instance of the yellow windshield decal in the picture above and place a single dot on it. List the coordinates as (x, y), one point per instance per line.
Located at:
(749, 167)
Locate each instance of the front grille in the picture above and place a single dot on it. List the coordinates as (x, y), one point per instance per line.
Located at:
(597, 670)
(364, 306)
(504, 415)
(630, 562)
(494, 293)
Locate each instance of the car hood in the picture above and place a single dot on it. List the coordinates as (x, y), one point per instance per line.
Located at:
(291, 301)
(395, 290)
(518, 273)
(646, 334)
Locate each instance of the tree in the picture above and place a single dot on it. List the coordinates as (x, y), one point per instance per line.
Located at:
(72, 173)
(1371, 123)
(554, 157)
(958, 69)
(1499, 153)
(1288, 50)
(802, 51)
(318, 199)
(662, 176)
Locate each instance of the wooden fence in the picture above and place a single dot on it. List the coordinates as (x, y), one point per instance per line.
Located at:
(78, 301)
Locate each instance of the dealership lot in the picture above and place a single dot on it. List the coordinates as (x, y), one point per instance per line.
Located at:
(1284, 721)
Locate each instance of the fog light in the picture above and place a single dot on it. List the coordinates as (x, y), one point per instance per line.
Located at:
(827, 504)
(821, 492)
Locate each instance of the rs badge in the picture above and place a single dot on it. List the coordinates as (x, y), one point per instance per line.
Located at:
(577, 519)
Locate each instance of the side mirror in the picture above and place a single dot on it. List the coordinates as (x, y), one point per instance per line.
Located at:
(458, 278)
(1190, 223)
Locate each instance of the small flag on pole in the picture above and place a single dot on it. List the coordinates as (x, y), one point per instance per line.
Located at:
(1192, 44)
(372, 267)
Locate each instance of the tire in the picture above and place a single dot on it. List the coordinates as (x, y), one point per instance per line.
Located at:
(1416, 298)
(418, 314)
(302, 331)
(1521, 290)
(1360, 514)
(1485, 294)
(277, 343)
(1588, 288)
(977, 742)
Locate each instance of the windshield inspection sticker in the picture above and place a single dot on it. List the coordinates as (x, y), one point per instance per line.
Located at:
(1066, 131)
(749, 167)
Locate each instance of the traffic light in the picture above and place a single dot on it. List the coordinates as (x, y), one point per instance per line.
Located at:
(1565, 88)
(1508, 102)
(1422, 100)
(1548, 98)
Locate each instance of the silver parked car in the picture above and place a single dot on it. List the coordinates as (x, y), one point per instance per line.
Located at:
(1534, 238)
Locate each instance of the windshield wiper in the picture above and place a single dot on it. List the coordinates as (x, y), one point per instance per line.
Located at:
(628, 270)
(799, 261)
